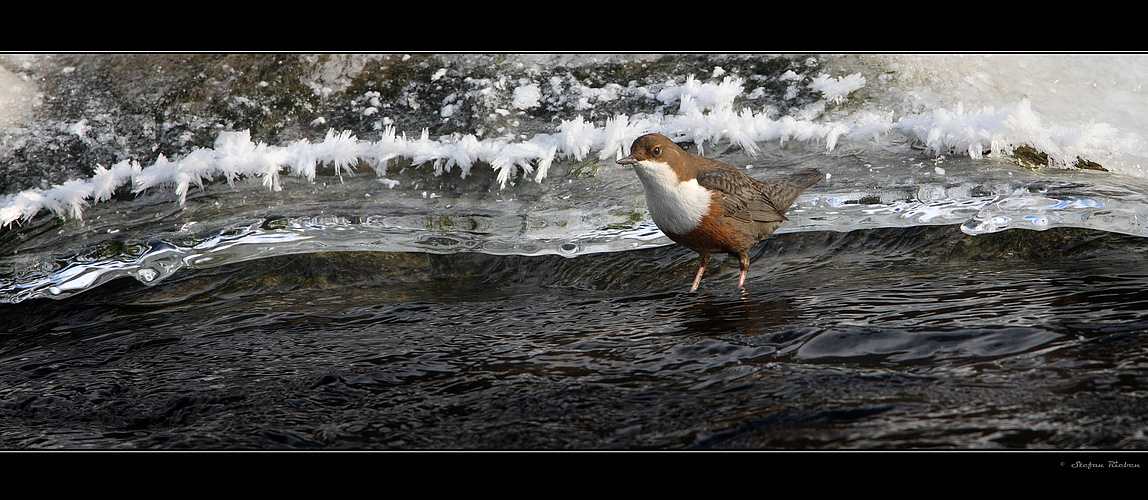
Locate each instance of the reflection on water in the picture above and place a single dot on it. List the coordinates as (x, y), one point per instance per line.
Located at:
(829, 348)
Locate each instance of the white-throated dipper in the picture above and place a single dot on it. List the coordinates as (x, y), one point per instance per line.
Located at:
(708, 206)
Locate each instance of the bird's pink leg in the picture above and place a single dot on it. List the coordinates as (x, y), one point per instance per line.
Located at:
(703, 257)
(743, 261)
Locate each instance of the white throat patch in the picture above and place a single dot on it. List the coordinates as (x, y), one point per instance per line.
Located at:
(676, 207)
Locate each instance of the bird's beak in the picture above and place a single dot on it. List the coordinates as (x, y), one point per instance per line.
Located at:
(629, 160)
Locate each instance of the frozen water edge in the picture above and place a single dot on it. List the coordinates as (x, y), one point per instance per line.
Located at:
(1081, 207)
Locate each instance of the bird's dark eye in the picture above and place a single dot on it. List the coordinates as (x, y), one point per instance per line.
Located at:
(657, 151)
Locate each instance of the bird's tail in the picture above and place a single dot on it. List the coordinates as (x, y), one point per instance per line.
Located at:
(805, 178)
(783, 192)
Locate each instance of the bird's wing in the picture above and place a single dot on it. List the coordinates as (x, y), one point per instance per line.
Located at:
(742, 196)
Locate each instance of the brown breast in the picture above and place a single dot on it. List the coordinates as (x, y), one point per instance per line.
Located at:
(719, 233)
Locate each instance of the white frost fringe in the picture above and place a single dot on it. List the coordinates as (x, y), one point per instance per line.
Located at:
(705, 114)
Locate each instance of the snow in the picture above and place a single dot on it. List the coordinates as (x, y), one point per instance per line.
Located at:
(79, 129)
(836, 89)
(16, 99)
(694, 95)
(527, 96)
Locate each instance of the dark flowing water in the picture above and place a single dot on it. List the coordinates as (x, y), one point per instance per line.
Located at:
(920, 338)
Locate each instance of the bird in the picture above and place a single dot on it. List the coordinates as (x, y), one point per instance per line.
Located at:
(708, 206)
